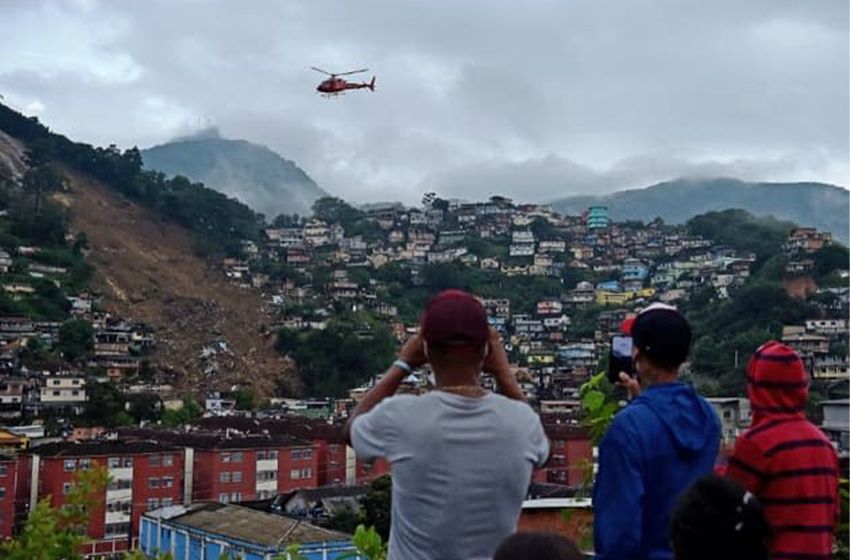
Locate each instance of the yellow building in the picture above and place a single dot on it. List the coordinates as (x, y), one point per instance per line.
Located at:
(9, 441)
(606, 297)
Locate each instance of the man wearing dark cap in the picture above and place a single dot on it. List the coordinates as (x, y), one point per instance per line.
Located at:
(461, 457)
(784, 459)
(662, 442)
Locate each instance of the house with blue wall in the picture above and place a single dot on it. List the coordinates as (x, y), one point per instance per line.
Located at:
(207, 531)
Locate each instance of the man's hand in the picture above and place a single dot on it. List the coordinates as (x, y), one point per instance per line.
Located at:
(631, 384)
(413, 353)
(496, 362)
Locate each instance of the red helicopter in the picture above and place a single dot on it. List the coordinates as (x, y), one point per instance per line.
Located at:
(336, 86)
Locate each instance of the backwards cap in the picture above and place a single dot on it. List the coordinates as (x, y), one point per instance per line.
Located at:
(455, 318)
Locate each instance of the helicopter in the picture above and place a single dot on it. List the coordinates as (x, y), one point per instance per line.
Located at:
(334, 85)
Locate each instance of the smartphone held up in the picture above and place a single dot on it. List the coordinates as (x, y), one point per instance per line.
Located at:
(620, 358)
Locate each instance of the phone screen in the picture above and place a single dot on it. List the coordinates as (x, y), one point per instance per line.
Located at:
(620, 358)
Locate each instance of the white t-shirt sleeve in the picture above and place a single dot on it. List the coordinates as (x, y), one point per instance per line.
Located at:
(539, 443)
(370, 432)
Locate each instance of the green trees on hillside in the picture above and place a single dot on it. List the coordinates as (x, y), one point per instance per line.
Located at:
(76, 339)
(742, 231)
(350, 350)
(218, 221)
(830, 258)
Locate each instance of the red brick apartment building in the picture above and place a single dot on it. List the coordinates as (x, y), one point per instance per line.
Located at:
(336, 462)
(9, 498)
(571, 454)
(143, 476)
(229, 466)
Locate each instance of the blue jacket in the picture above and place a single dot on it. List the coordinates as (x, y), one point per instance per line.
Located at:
(654, 449)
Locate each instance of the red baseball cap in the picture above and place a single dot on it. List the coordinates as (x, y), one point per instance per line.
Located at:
(456, 318)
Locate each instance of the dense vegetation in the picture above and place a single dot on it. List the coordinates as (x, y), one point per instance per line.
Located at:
(353, 348)
(727, 331)
(28, 219)
(219, 222)
(743, 232)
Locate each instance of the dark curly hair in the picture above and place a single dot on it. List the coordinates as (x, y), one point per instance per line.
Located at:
(717, 518)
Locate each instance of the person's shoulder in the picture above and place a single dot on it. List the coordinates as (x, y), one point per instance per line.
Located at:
(394, 404)
(628, 418)
(511, 406)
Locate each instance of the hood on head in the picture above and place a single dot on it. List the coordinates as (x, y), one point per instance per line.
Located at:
(776, 381)
(690, 420)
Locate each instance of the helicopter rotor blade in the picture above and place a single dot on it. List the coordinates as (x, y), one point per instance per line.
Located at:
(323, 71)
(353, 72)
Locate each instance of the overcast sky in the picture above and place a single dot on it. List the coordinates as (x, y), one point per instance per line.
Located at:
(535, 99)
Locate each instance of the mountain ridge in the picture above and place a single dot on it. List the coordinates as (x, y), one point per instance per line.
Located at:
(805, 203)
(254, 174)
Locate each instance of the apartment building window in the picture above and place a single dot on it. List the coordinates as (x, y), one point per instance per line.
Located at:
(168, 482)
(3, 469)
(113, 462)
(75, 393)
(296, 454)
(236, 497)
(334, 464)
(306, 473)
(236, 476)
(168, 460)
(153, 503)
(334, 448)
(223, 498)
(57, 393)
(2, 491)
(55, 382)
(116, 529)
(264, 476)
(66, 488)
(120, 506)
(127, 462)
(307, 454)
(154, 482)
(118, 485)
(225, 457)
(272, 453)
(295, 474)
(85, 464)
(167, 502)
(224, 477)
(156, 460)
(237, 456)
(267, 455)
(70, 465)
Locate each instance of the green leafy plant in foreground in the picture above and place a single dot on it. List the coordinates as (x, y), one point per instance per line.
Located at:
(598, 404)
(368, 543)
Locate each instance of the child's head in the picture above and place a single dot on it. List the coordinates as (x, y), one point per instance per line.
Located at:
(537, 546)
(716, 518)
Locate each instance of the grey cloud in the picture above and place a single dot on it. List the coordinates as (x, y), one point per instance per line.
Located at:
(538, 97)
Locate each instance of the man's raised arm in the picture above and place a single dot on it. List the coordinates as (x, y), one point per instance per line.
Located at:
(411, 357)
(497, 364)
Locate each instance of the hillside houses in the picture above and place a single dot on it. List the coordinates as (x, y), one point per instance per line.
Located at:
(630, 265)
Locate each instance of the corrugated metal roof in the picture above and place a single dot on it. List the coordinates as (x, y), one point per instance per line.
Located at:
(252, 526)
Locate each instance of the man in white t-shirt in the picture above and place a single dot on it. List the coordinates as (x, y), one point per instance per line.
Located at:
(461, 457)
